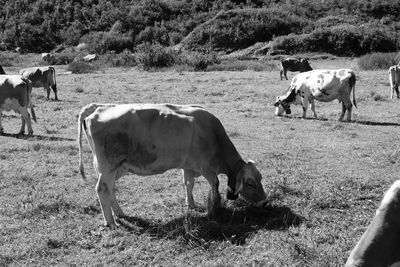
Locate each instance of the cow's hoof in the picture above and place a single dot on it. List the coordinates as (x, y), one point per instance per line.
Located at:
(30, 133)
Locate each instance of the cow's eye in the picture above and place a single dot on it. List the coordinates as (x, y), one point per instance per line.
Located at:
(250, 183)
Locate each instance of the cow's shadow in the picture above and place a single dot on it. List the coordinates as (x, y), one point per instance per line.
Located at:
(372, 123)
(231, 224)
(36, 137)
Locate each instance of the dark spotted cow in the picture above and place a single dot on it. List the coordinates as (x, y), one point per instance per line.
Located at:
(147, 139)
(294, 64)
(322, 85)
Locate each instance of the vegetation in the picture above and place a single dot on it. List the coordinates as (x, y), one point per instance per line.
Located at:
(324, 179)
(204, 25)
(377, 61)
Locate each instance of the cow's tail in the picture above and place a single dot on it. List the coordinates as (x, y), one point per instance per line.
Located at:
(81, 121)
(352, 82)
(29, 97)
(53, 72)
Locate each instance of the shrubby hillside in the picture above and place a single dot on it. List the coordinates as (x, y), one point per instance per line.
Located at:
(341, 27)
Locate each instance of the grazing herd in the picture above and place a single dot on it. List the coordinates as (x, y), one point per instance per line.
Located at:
(147, 139)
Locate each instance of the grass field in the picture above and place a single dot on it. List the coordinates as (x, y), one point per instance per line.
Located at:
(324, 179)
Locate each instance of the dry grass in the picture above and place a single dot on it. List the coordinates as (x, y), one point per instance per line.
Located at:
(324, 178)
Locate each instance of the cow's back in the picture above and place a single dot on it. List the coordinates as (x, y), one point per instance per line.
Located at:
(150, 138)
(38, 75)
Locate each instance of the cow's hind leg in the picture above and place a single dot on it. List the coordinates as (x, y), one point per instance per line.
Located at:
(188, 181)
(213, 198)
(54, 87)
(396, 88)
(346, 106)
(105, 192)
(25, 117)
(47, 88)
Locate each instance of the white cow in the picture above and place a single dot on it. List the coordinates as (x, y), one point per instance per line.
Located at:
(321, 85)
(380, 243)
(15, 94)
(147, 139)
(394, 79)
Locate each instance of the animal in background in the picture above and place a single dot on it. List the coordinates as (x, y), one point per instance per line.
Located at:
(394, 80)
(321, 85)
(42, 77)
(294, 64)
(15, 94)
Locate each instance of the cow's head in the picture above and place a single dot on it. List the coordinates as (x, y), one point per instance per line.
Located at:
(306, 65)
(281, 106)
(248, 184)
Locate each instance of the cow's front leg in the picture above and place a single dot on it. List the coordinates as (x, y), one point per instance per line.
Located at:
(105, 192)
(1, 126)
(213, 198)
(305, 105)
(188, 181)
(312, 106)
(396, 88)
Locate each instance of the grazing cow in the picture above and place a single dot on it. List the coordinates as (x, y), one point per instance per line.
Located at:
(322, 85)
(15, 94)
(380, 243)
(147, 139)
(294, 64)
(2, 71)
(42, 77)
(394, 79)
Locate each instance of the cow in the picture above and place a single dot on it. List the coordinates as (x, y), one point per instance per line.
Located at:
(380, 243)
(322, 85)
(42, 77)
(48, 57)
(394, 79)
(2, 72)
(148, 139)
(294, 64)
(15, 94)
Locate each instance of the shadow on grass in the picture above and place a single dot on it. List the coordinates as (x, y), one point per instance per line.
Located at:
(232, 224)
(374, 123)
(36, 137)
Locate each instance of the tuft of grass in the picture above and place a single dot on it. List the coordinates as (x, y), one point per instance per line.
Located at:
(377, 61)
(82, 67)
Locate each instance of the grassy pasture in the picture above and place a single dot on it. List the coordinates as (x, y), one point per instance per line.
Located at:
(324, 179)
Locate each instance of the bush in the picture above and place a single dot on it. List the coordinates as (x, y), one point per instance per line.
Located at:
(240, 28)
(124, 59)
(377, 61)
(82, 67)
(200, 61)
(102, 42)
(342, 40)
(155, 56)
